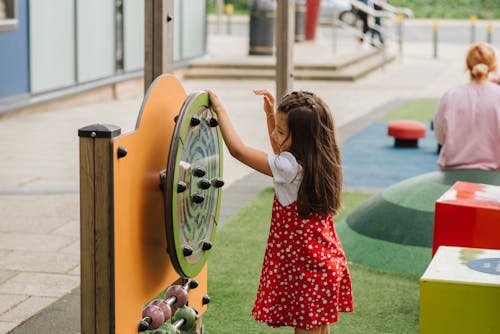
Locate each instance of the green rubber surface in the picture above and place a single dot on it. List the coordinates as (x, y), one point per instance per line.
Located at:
(393, 230)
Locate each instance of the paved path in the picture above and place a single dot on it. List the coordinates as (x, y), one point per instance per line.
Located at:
(39, 203)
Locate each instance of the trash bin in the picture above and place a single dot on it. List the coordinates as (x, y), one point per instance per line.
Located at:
(300, 20)
(262, 22)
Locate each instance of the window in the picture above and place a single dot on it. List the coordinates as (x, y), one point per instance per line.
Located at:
(8, 15)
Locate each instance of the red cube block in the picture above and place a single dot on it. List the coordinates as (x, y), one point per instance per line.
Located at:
(468, 215)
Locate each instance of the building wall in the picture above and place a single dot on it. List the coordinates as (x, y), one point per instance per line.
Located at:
(14, 79)
(67, 44)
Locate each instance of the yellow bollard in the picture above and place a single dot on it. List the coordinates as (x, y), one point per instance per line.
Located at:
(229, 10)
(473, 21)
(435, 28)
(489, 33)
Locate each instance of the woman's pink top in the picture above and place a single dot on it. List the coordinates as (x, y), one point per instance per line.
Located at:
(467, 125)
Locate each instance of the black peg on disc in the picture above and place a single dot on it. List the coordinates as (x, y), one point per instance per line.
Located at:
(195, 121)
(197, 198)
(207, 245)
(217, 182)
(122, 152)
(213, 122)
(204, 184)
(193, 284)
(169, 18)
(181, 186)
(186, 250)
(205, 300)
(199, 171)
(176, 118)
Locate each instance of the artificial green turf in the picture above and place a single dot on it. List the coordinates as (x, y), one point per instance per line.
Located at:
(418, 110)
(384, 302)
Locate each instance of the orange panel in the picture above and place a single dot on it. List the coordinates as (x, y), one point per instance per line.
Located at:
(468, 215)
(142, 267)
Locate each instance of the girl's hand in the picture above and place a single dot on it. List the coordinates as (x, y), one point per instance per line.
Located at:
(268, 100)
(214, 101)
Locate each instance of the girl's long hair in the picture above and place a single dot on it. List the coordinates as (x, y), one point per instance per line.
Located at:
(314, 145)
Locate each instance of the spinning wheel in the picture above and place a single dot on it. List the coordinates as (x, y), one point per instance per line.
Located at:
(193, 185)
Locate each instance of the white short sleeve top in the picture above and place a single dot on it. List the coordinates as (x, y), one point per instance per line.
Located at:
(287, 176)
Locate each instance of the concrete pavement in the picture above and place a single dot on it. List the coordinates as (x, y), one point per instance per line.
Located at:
(39, 200)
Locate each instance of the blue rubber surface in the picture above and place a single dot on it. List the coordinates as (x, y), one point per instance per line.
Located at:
(370, 159)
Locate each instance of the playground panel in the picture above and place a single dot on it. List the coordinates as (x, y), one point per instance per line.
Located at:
(127, 220)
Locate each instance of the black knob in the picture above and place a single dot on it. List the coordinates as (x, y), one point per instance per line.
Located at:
(176, 118)
(122, 152)
(197, 198)
(213, 122)
(193, 284)
(199, 171)
(207, 245)
(144, 324)
(217, 182)
(205, 300)
(186, 250)
(181, 186)
(195, 121)
(169, 18)
(204, 184)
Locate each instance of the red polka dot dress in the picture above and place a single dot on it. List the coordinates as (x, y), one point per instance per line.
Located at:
(305, 280)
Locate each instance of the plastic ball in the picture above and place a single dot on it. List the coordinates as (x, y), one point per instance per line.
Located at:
(162, 303)
(188, 315)
(180, 293)
(156, 314)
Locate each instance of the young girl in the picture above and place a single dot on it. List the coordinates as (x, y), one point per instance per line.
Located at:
(305, 280)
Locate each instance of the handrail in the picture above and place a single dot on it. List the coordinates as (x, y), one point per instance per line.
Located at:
(387, 12)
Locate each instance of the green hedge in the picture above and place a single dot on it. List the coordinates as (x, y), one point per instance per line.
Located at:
(460, 9)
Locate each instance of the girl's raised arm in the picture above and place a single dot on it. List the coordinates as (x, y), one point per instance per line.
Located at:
(269, 110)
(250, 156)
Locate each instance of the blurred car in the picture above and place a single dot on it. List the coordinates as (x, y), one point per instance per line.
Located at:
(341, 8)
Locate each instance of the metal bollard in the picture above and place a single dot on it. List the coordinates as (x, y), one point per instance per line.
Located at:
(229, 10)
(435, 28)
(489, 33)
(399, 19)
(473, 21)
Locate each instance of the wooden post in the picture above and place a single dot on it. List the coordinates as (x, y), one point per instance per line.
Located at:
(285, 27)
(158, 39)
(96, 223)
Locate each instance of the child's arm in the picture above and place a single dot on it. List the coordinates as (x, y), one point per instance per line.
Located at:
(251, 157)
(269, 110)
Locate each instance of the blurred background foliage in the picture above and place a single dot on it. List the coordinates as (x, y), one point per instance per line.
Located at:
(446, 9)
(451, 9)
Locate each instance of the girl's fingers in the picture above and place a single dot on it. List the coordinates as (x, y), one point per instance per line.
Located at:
(214, 100)
(263, 92)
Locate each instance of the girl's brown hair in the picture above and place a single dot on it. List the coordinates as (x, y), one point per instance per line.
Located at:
(314, 145)
(481, 60)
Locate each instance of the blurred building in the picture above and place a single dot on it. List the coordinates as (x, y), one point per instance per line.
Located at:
(55, 48)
